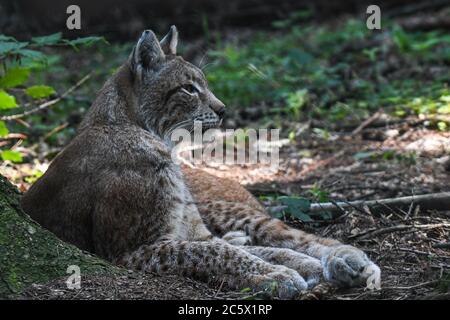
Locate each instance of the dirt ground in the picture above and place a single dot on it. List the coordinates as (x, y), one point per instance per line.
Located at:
(130, 287)
(410, 245)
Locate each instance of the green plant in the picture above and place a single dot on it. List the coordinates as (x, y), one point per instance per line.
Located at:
(313, 72)
(21, 60)
(318, 193)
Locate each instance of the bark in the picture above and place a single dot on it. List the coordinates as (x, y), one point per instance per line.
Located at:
(30, 254)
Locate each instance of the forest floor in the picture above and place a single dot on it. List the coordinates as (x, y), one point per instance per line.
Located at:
(397, 80)
(413, 259)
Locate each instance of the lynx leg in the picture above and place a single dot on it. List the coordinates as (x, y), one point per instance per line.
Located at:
(342, 264)
(206, 259)
(308, 267)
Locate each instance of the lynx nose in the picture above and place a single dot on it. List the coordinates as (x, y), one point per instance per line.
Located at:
(219, 111)
(217, 106)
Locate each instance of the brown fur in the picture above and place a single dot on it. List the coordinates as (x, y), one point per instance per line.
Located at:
(115, 190)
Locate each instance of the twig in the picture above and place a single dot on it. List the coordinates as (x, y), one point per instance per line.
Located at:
(376, 232)
(424, 284)
(220, 288)
(422, 253)
(48, 103)
(366, 122)
(10, 136)
(321, 163)
(433, 201)
(56, 130)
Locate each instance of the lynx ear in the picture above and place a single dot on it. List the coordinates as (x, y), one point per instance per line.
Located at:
(170, 41)
(147, 54)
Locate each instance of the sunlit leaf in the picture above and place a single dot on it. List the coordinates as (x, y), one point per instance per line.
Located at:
(7, 101)
(442, 126)
(3, 129)
(47, 40)
(445, 109)
(445, 98)
(11, 155)
(85, 41)
(7, 38)
(14, 77)
(32, 54)
(40, 92)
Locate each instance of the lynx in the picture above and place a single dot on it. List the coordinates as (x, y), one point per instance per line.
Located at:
(115, 190)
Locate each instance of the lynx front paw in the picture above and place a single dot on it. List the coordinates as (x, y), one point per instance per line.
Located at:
(283, 283)
(237, 238)
(348, 266)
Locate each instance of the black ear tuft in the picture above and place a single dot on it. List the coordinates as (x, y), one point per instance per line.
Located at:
(170, 41)
(147, 54)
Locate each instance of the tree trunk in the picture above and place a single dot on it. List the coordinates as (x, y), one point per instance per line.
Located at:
(30, 254)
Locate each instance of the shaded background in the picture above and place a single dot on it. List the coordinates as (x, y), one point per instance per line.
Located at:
(120, 20)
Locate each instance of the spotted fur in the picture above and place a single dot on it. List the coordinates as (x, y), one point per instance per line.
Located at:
(115, 190)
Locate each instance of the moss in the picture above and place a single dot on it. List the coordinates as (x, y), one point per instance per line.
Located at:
(30, 254)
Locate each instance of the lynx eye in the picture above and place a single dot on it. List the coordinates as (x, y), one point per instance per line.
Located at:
(190, 89)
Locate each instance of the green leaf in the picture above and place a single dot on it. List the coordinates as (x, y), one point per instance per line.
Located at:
(297, 207)
(40, 92)
(300, 56)
(3, 129)
(14, 77)
(47, 40)
(7, 101)
(278, 215)
(8, 47)
(445, 109)
(7, 38)
(32, 54)
(302, 216)
(10, 155)
(295, 202)
(85, 41)
(442, 126)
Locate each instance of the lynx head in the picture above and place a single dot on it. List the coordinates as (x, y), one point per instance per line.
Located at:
(170, 92)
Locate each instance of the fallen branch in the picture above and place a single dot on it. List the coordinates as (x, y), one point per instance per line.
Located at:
(47, 103)
(376, 232)
(433, 201)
